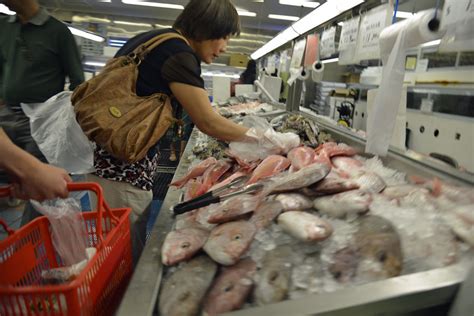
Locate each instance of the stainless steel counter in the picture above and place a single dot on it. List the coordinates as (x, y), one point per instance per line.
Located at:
(396, 296)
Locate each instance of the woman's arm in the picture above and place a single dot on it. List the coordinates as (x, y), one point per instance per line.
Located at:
(196, 103)
(33, 179)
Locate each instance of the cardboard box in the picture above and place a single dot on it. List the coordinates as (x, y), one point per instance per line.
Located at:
(238, 60)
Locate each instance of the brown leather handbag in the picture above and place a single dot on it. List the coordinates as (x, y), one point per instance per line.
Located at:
(112, 115)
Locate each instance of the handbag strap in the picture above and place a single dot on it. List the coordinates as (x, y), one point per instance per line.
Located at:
(141, 51)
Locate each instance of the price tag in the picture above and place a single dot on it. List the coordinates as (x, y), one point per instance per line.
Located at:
(349, 33)
(422, 65)
(328, 42)
(372, 24)
(426, 105)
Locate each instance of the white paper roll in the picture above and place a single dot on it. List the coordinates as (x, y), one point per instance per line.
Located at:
(317, 71)
(394, 42)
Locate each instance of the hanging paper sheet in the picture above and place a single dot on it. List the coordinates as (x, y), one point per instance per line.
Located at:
(458, 21)
(328, 42)
(350, 30)
(372, 23)
(298, 52)
(296, 68)
(312, 49)
(285, 59)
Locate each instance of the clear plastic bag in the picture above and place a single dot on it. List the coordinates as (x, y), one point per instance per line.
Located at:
(67, 228)
(58, 135)
(262, 140)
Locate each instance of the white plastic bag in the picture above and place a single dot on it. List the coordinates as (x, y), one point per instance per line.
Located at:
(262, 140)
(58, 135)
(67, 228)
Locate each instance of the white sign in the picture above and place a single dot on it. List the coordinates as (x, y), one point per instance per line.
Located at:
(349, 33)
(458, 21)
(372, 24)
(298, 52)
(328, 42)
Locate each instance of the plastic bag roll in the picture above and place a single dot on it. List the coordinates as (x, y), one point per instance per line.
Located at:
(317, 71)
(394, 42)
(417, 31)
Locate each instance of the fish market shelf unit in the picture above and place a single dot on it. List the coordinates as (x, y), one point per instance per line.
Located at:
(404, 295)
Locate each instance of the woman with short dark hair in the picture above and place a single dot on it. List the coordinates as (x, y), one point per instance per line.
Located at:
(172, 68)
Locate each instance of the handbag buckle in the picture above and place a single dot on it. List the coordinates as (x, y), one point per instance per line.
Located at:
(135, 58)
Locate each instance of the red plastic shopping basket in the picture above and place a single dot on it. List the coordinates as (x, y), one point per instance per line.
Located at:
(25, 253)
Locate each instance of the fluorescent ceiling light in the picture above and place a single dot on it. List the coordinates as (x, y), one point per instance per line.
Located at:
(404, 15)
(318, 16)
(327, 11)
(117, 41)
(300, 3)
(246, 13)
(212, 74)
(94, 63)
(154, 4)
(283, 17)
(84, 34)
(5, 10)
(78, 18)
(132, 23)
(432, 43)
(327, 61)
(279, 40)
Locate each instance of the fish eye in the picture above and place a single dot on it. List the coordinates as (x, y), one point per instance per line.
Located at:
(237, 237)
(337, 274)
(274, 276)
(185, 245)
(381, 256)
(228, 288)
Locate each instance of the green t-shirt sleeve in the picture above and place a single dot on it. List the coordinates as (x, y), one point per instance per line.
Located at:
(71, 59)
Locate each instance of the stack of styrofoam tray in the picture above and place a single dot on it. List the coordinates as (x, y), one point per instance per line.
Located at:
(323, 90)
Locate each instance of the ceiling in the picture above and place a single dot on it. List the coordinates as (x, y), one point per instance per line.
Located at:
(255, 30)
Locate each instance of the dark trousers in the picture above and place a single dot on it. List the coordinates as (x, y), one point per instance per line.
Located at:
(17, 126)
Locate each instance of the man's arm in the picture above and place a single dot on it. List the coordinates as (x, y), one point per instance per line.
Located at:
(32, 178)
(71, 59)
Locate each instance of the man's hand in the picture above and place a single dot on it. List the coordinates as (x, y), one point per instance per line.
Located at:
(44, 183)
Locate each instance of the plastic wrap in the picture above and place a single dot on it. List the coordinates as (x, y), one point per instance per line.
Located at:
(394, 41)
(67, 228)
(262, 140)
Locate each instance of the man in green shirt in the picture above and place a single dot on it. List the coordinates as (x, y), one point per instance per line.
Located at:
(37, 53)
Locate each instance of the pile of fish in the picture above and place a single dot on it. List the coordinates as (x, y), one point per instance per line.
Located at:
(305, 128)
(325, 219)
(244, 108)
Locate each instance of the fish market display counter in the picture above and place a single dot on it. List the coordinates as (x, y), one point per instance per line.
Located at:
(422, 293)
